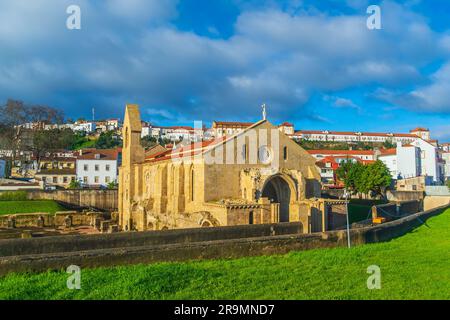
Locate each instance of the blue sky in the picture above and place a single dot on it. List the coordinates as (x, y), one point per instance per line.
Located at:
(313, 63)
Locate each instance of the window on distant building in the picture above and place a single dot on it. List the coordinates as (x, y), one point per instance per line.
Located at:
(55, 179)
(85, 167)
(72, 179)
(85, 180)
(107, 167)
(250, 218)
(97, 167)
(285, 153)
(107, 179)
(44, 178)
(96, 179)
(65, 179)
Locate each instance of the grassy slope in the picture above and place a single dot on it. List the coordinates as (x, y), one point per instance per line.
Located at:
(415, 266)
(30, 206)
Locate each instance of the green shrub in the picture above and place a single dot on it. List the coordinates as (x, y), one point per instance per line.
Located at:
(13, 196)
(74, 184)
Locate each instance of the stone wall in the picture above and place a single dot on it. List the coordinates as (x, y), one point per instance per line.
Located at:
(145, 238)
(100, 199)
(337, 216)
(392, 195)
(404, 195)
(43, 220)
(391, 211)
(431, 202)
(43, 254)
(409, 207)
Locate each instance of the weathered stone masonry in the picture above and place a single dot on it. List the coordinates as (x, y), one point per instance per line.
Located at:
(160, 192)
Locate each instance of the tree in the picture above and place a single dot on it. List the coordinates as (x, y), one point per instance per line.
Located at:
(112, 185)
(376, 178)
(349, 173)
(108, 140)
(364, 179)
(45, 141)
(164, 141)
(149, 141)
(388, 144)
(16, 136)
(45, 114)
(343, 173)
(82, 141)
(13, 115)
(74, 184)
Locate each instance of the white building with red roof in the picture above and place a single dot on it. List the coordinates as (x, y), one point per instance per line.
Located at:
(423, 133)
(419, 158)
(287, 128)
(97, 167)
(350, 136)
(228, 128)
(363, 155)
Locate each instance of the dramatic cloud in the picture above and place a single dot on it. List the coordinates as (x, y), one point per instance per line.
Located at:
(133, 51)
(434, 97)
(339, 102)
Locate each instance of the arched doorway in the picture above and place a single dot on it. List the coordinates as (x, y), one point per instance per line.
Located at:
(277, 190)
(206, 224)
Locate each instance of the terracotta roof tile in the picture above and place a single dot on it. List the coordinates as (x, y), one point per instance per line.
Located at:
(388, 152)
(105, 154)
(419, 129)
(362, 134)
(342, 152)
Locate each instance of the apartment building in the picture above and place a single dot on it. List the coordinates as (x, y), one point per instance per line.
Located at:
(446, 159)
(97, 167)
(287, 128)
(225, 128)
(363, 155)
(56, 171)
(87, 127)
(179, 133)
(339, 136)
(421, 158)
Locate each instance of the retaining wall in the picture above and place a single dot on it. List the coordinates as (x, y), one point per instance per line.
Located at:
(181, 251)
(100, 199)
(391, 195)
(43, 219)
(431, 202)
(146, 238)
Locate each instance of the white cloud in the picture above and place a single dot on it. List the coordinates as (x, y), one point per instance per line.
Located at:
(138, 11)
(274, 57)
(434, 97)
(345, 103)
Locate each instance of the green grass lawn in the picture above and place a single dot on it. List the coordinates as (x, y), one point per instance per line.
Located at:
(415, 266)
(29, 206)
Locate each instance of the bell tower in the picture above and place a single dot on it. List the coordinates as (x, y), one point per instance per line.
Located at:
(132, 150)
(132, 154)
